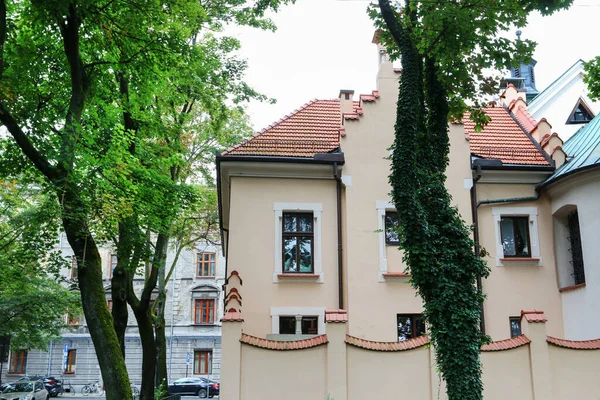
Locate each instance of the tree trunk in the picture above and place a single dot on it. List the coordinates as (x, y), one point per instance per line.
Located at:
(159, 327)
(93, 299)
(144, 321)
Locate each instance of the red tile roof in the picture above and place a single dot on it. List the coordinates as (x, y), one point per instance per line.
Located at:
(507, 344)
(388, 346)
(232, 316)
(575, 344)
(280, 345)
(533, 315)
(502, 138)
(313, 128)
(336, 316)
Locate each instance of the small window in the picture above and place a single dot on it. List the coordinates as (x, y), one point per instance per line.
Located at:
(202, 362)
(71, 360)
(204, 312)
(18, 362)
(287, 325)
(73, 267)
(392, 237)
(576, 249)
(308, 325)
(205, 264)
(298, 242)
(515, 236)
(113, 264)
(581, 114)
(109, 305)
(410, 326)
(515, 326)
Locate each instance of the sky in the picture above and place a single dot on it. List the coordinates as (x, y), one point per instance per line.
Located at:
(322, 46)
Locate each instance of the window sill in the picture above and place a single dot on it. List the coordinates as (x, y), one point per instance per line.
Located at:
(392, 276)
(298, 277)
(69, 373)
(15, 373)
(573, 287)
(205, 277)
(213, 324)
(516, 261)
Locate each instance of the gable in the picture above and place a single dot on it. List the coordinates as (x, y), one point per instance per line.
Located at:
(581, 114)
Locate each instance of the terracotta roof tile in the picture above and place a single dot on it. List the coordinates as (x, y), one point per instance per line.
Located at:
(575, 344)
(507, 344)
(502, 138)
(280, 345)
(388, 346)
(312, 129)
(526, 120)
(533, 315)
(336, 316)
(232, 316)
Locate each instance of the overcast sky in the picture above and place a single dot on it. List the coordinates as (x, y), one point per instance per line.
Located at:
(322, 46)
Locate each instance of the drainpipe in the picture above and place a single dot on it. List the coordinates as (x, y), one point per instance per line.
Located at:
(336, 176)
(474, 207)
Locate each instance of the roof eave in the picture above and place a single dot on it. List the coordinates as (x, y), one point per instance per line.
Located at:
(320, 158)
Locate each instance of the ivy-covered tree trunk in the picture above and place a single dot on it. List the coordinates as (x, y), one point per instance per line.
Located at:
(98, 318)
(437, 243)
(159, 329)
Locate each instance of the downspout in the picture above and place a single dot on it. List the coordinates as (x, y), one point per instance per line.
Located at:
(336, 176)
(221, 229)
(474, 207)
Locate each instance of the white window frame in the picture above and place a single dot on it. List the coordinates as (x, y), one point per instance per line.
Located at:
(532, 214)
(383, 206)
(317, 210)
(293, 311)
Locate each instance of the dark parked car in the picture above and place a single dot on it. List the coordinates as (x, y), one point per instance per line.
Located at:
(194, 386)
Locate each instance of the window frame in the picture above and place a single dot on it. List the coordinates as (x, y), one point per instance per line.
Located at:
(414, 318)
(198, 316)
(590, 114)
(298, 235)
(277, 312)
(20, 356)
(535, 258)
(201, 264)
(510, 322)
(317, 275)
(74, 271)
(71, 364)
(514, 232)
(198, 360)
(576, 247)
(385, 228)
(112, 264)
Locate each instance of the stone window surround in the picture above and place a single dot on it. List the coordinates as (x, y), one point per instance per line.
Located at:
(317, 210)
(382, 206)
(204, 292)
(294, 311)
(532, 214)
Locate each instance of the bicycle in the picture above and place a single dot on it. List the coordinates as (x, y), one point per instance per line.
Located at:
(92, 388)
(68, 390)
(136, 391)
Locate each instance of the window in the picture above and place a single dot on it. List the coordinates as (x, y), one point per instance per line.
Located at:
(202, 362)
(391, 228)
(515, 326)
(113, 264)
(73, 267)
(581, 114)
(576, 250)
(18, 362)
(289, 325)
(71, 358)
(205, 264)
(204, 311)
(73, 319)
(298, 242)
(410, 326)
(109, 305)
(515, 236)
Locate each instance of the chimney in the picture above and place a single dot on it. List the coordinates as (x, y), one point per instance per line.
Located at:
(385, 68)
(346, 101)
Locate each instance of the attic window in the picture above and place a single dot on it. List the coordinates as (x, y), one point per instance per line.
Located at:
(581, 114)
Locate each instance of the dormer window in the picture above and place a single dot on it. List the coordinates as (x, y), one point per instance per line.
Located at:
(581, 114)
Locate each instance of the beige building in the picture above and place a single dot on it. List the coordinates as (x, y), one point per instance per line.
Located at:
(308, 222)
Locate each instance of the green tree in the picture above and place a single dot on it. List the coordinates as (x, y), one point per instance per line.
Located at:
(83, 88)
(444, 47)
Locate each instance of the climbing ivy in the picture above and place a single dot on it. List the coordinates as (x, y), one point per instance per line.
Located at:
(444, 47)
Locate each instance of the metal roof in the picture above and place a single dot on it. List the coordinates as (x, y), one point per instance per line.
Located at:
(582, 149)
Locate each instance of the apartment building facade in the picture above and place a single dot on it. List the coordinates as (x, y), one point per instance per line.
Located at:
(193, 311)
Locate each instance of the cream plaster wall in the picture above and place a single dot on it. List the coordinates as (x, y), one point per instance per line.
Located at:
(507, 374)
(575, 373)
(514, 287)
(277, 375)
(583, 191)
(252, 244)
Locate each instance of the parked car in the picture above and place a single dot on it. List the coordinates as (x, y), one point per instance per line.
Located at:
(195, 386)
(24, 390)
(26, 378)
(51, 384)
